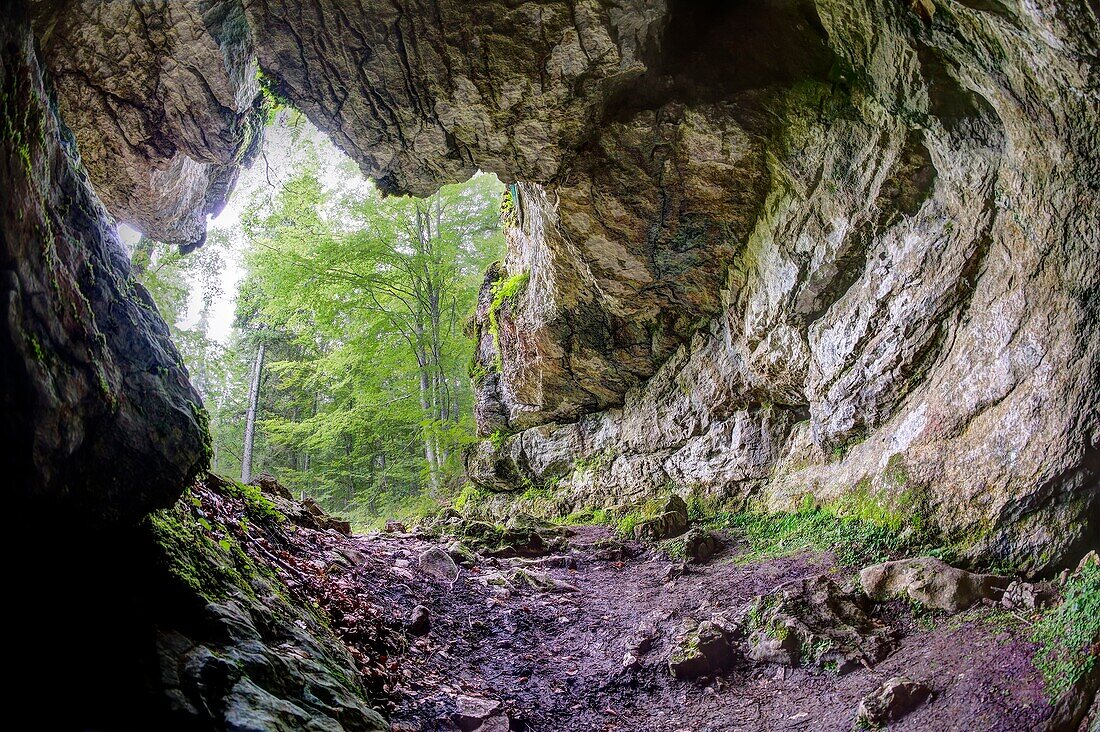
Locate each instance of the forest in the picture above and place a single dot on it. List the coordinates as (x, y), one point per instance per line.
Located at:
(324, 327)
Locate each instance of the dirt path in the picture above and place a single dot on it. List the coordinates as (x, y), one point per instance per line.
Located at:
(554, 660)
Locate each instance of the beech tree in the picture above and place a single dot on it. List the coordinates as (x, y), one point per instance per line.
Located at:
(366, 296)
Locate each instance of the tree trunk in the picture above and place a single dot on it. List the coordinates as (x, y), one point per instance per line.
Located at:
(250, 422)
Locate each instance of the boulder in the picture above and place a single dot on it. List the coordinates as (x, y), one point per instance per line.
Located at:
(665, 526)
(676, 504)
(438, 563)
(703, 650)
(519, 578)
(932, 583)
(395, 527)
(893, 700)
(517, 539)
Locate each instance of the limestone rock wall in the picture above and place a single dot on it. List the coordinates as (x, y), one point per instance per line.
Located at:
(913, 313)
(163, 101)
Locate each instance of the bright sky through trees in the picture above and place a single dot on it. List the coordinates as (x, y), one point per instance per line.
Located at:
(331, 319)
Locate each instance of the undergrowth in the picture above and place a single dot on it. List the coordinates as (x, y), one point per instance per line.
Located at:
(1068, 634)
(855, 538)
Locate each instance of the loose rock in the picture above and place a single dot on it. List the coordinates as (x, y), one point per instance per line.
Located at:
(702, 651)
(1027, 596)
(893, 700)
(438, 563)
(931, 583)
(420, 621)
(700, 546)
(665, 526)
(472, 711)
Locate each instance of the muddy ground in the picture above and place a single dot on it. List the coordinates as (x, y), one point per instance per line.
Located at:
(554, 659)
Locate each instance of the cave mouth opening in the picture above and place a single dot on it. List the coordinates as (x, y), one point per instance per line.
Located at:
(324, 325)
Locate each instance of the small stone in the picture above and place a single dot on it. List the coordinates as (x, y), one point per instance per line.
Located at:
(420, 621)
(612, 550)
(401, 563)
(642, 640)
(893, 700)
(675, 571)
(473, 711)
(688, 663)
(438, 563)
(631, 662)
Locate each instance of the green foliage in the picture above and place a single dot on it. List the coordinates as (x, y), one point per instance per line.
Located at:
(625, 524)
(594, 517)
(469, 496)
(504, 291)
(256, 503)
(760, 618)
(477, 372)
(359, 300)
(905, 512)
(509, 214)
(856, 538)
(365, 404)
(1068, 634)
(198, 553)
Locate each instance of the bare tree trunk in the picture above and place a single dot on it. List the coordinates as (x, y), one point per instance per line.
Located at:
(429, 439)
(250, 422)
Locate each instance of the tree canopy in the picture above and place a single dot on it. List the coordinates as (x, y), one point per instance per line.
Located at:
(359, 302)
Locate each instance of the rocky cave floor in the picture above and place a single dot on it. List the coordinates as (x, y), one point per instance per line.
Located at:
(555, 659)
(579, 636)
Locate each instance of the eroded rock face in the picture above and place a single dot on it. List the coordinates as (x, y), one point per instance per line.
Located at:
(99, 419)
(163, 102)
(894, 321)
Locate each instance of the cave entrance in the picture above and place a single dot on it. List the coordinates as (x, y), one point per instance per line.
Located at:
(323, 325)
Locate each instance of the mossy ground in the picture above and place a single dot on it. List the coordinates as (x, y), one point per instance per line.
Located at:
(1068, 634)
